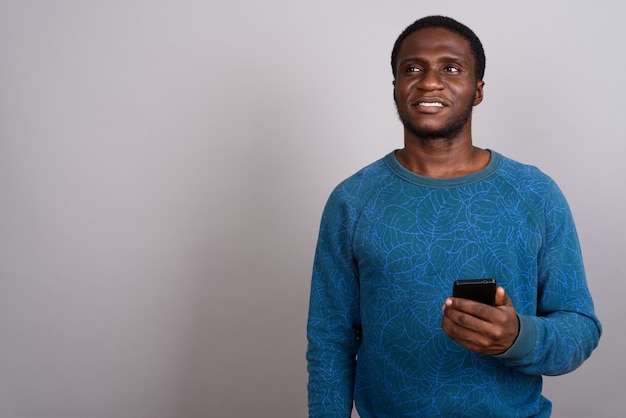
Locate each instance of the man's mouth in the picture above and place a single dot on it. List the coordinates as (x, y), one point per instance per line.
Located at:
(430, 104)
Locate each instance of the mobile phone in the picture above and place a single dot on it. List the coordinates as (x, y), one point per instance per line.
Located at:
(480, 290)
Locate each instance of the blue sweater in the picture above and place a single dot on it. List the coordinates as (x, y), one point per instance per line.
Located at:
(391, 244)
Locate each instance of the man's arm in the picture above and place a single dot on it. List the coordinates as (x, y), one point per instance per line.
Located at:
(564, 331)
(333, 317)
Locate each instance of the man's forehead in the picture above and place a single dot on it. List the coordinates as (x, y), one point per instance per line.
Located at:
(438, 40)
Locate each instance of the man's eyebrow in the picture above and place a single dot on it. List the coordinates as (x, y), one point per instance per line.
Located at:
(446, 58)
(454, 59)
(409, 60)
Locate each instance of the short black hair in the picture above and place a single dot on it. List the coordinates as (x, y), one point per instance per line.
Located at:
(446, 23)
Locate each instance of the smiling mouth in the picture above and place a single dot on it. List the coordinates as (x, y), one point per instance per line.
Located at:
(430, 104)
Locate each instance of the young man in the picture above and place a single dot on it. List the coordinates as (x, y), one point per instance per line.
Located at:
(383, 330)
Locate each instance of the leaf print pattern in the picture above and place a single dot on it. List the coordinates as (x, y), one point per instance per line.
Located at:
(391, 244)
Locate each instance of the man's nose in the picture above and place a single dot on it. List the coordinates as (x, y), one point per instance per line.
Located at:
(431, 80)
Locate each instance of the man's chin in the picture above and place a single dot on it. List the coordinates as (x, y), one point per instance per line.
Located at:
(446, 132)
(433, 134)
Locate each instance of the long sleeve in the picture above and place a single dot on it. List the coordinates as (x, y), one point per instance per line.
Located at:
(333, 316)
(565, 330)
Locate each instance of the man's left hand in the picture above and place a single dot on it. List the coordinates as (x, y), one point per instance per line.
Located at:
(482, 328)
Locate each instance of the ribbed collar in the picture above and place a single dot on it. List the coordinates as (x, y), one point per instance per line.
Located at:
(447, 183)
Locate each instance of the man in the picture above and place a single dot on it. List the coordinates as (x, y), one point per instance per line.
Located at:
(383, 330)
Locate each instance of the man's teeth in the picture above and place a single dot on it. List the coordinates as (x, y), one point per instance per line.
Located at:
(428, 104)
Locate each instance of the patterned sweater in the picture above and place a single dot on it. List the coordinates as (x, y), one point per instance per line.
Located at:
(391, 244)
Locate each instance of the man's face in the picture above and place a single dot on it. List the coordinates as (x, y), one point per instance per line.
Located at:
(435, 86)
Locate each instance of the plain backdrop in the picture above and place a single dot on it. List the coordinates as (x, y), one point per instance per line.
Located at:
(164, 165)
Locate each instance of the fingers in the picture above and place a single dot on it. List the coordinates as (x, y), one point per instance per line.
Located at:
(502, 298)
(479, 327)
(468, 314)
(476, 334)
(469, 307)
(469, 331)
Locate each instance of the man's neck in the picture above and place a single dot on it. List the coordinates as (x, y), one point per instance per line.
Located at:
(442, 158)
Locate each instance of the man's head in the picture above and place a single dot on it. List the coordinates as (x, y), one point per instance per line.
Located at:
(448, 23)
(437, 79)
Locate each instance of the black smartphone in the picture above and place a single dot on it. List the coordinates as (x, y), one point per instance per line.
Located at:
(480, 290)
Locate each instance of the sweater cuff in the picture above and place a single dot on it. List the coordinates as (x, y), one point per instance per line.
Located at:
(525, 342)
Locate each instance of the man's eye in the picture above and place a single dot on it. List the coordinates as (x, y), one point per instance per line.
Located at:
(413, 69)
(451, 69)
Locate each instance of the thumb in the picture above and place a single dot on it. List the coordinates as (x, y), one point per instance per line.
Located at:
(502, 298)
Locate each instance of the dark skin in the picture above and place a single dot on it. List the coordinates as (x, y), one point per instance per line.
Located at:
(481, 328)
(435, 90)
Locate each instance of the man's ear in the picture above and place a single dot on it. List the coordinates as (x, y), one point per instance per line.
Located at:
(394, 91)
(478, 93)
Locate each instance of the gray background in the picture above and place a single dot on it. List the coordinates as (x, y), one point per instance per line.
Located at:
(164, 164)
